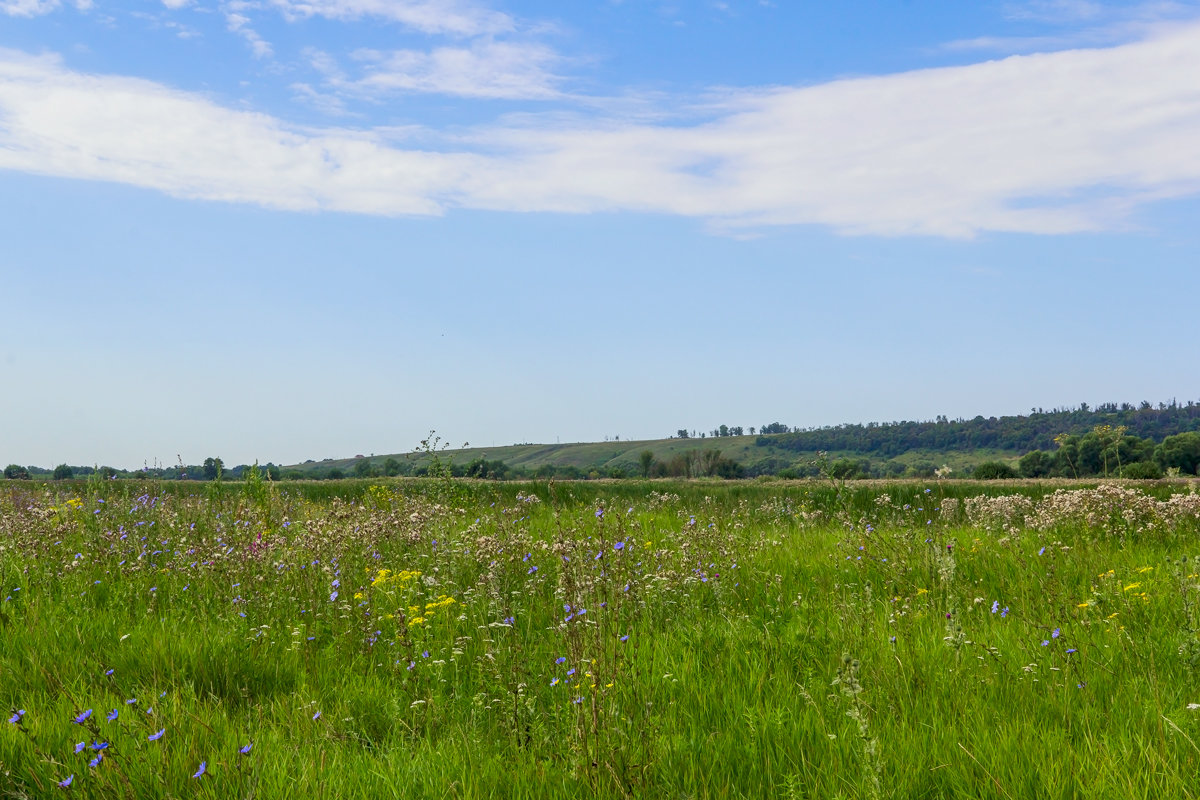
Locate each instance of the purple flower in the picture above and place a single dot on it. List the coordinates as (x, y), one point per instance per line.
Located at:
(316, 716)
(112, 715)
(1070, 650)
(619, 546)
(95, 762)
(15, 719)
(995, 606)
(1004, 612)
(333, 597)
(154, 737)
(200, 772)
(625, 638)
(99, 745)
(1045, 642)
(107, 672)
(599, 513)
(79, 747)
(66, 782)
(1041, 551)
(246, 750)
(424, 654)
(82, 718)
(1055, 634)
(560, 659)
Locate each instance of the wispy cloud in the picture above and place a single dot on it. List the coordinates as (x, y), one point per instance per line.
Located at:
(1053, 143)
(483, 69)
(239, 23)
(1079, 23)
(36, 8)
(454, 17)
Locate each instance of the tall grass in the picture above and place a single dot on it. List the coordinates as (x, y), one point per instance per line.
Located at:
(462, 639)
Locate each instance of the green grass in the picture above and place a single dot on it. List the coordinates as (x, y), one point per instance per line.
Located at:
(785, 639)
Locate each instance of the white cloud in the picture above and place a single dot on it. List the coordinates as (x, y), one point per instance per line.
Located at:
(1062, 142)
(454, 17)
(484, 69)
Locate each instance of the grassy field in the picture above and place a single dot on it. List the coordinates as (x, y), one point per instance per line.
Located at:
(453, 639)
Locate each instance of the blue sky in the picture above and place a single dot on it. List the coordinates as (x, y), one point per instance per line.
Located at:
(290, 229)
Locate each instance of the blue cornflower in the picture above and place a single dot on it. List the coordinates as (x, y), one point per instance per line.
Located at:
(95, 762)
(508, 620)
(995, 606)
(245, 750)
(112, 715)
(99, 745)
(599, 513)
(560, 659)
(79, 747)
(15, 719)
(82, 718)
(554, 681)
(316, 716)
(571, 671)
(67, 781)
(619, 546)
(1004, 612)
(107, 672)
(200, 772)
(131, 701)
(336, 583)
(154, 737)
(1041, 551)
(424, 654)
(625, 638)
(1055, 634)
(1045, 642)
(1070, 650)
(333, 596)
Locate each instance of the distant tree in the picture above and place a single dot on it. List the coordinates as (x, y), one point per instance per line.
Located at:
(774, 427)
(646, 460)
(335, 474)
(751, 430)
(1036, 464)
(1181, 451)
(681, 434)
(362, 468)
(63, 472)
(107, 473)
(737, 430)
(723, 430)
(994, 470)
(272, 471)
(846, 468)
(213, 467)
(391, 467)
(15, 472)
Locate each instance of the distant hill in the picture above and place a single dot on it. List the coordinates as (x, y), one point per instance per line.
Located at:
(867, 450)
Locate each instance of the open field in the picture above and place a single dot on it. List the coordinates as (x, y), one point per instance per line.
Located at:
(456, 639)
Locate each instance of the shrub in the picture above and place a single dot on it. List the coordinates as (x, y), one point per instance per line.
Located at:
(994, 470)
(1142, 471)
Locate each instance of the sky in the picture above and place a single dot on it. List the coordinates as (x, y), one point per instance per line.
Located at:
(278, 230)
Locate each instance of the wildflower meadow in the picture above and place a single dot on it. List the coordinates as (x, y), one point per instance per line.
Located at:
(445, 638)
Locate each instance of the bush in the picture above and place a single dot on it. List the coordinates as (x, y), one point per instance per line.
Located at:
(1142, 471)
(994, 470)
(63, 472)
(16, 472)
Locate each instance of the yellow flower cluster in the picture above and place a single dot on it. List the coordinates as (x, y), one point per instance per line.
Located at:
(400, 580)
